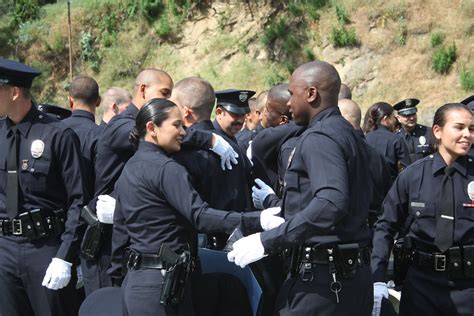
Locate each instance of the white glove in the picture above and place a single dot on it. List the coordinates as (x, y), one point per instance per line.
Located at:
(225, 151)
(58, 274)
(269, 220)
(249, 152)
(80, 280)
(260, 192)
(105, 208)
(247, 250)
(380, 291)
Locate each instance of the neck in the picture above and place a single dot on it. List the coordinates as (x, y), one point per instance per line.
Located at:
(83, 107)
(19, 111)
(409, 129)
(448, 157)
(107, 116)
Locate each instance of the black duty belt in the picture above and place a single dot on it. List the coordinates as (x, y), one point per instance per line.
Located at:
(321, 256)
(458, 261)
(138, 260)
(34, 224)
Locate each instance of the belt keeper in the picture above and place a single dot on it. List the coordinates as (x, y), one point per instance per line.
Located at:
(307, 275)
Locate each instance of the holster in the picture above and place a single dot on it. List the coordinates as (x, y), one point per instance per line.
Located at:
(468, 261)
(176, 277)
(92, 241)
(455, 263)
(346, 259)
(402, 257)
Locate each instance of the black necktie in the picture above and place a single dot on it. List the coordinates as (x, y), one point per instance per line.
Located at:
(12, 180)
(445, 215)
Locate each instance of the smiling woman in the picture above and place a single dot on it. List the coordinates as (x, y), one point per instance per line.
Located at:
(430, 196)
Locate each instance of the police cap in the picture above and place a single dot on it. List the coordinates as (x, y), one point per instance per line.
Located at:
(406, 107)
(55, 111)
(469, 101)
(16, 74)
(234, 101)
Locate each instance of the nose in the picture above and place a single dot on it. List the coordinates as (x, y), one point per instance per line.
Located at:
(182, 132)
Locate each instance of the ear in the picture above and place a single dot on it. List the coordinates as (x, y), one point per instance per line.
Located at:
(312, 94)
(115, 108)
(283, 120)
(99, 99)
(70, 101)
(151, 128)
(219, 111)
(142, 90)
(187, 112)
(437, 131)
(15, 93)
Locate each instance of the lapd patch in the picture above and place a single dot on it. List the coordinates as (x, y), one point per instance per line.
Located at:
(422, 140)
(37, 148)
(243, 96)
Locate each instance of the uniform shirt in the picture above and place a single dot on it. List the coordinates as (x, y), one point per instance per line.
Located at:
(240, 180)
(247, 135)
(159, 204)
(83, 124)
(419, 141)
(325, 199)
(266, 148)
(413, 201)
(53, 180)
(391, 146)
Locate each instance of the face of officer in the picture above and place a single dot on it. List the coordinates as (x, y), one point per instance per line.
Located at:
(298, 103)
(5, 99)
(230, 123)
(390, 122)
(454, 132)
(169, 135)
(272, 116)
(408, 122)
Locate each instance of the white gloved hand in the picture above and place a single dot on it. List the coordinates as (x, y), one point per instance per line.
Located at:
(58, 274)
(380, 291)
(80, 280)
(225, 151)
(105, 208)
(247, 250)
(249, 152)
(260, 192)
(268, 218)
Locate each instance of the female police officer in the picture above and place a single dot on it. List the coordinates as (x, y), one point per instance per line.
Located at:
(160, 209)
(431, 202)
(379, 124)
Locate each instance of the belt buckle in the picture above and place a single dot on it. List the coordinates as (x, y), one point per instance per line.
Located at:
(17, 229)
(133, 261)
(440, 263)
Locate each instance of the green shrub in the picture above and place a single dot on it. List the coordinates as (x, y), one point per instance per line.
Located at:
(443, 58)
(308, 52)
(274, 77)
(163, 29)
(402, 32)
(25, 10)
(467, 80)
(295, 9)
(275, 30)
(437, 39)
(342, 15)
(343, 37)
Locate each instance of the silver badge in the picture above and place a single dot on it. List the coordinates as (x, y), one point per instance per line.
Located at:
(470, 190)
(408, 102)
(37, 148)
(24, 164)
(422, 140)
(243, 96)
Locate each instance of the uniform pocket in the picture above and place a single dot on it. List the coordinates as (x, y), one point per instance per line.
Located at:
(423, 219)
(35, 176)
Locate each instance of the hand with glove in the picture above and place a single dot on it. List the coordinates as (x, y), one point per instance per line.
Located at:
(105, 209)
(259, 192)
(380, 291)
(221, 147)
(269, 218)
(247, 250)
(58, 274)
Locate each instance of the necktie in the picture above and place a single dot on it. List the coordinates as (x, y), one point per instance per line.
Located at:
(12, 179)
(445, 215)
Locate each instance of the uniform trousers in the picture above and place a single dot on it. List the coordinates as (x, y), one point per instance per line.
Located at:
(142, 292)
(94, 272)
(433, 293)
(23, 265)
(311, 298)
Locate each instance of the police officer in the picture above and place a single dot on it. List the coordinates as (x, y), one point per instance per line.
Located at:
(325, 205)
(253, 120)
(160, 208)
(41, 190)
(114, 101)
(417, 137)
(432, 202)
(379, 126)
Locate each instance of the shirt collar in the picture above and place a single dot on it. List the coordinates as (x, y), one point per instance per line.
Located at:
(330, 111)
(459, 165)
(219, 129)
(83, 113)
(143, 145)
(132, 109)
(25, 125)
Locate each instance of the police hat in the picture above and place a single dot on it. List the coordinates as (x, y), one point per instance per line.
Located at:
(16, 74)
(55, 111)
(234, 101)
(469, 101)
(406, 107)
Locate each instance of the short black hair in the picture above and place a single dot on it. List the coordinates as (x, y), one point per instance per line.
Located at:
(84, 89)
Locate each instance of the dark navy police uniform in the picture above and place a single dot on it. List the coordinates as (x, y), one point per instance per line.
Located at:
(50, 179)
(160, 206)
(325, 204)
(245, 136)
(419, 142)
(437, 283)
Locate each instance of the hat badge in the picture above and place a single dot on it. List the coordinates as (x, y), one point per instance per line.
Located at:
(408, 102)
(37, 148)
(470, 190)
(243, 96)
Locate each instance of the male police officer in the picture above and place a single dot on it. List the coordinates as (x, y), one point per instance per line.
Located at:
(114, 101)
(417, 137)
(41, 190)
(325, 205)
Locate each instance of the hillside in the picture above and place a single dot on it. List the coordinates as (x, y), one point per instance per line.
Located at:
(250, 44)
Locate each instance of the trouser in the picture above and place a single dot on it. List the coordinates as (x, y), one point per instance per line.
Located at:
(94, 272)
(141, 295)
(314, 296)
(23, 265)
(432, 293)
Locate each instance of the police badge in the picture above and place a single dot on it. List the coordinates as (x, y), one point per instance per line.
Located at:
(243, 96)
(37, 148)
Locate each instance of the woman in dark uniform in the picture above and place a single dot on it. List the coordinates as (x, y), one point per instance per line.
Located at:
(431, 203)
(379, 126)
(160, 207)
